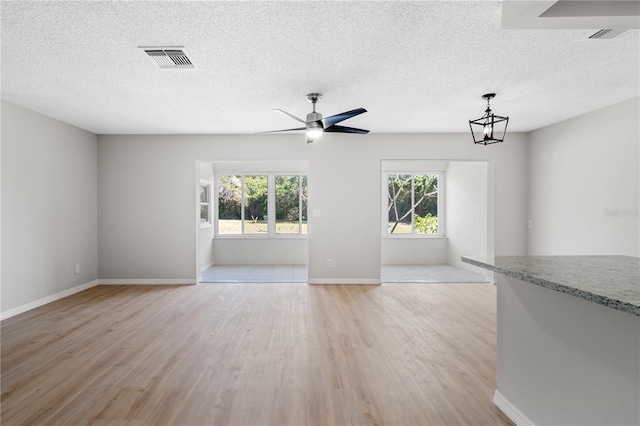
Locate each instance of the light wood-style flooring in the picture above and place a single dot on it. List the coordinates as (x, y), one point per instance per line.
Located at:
(250, 354)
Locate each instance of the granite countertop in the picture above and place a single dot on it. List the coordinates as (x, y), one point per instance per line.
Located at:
(612, 281)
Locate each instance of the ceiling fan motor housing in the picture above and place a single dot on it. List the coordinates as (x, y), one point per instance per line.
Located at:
(314, 119)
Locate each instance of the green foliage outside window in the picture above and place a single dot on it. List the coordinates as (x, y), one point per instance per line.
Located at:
(413, 199)
(251, 192)
(255, 188)
(291, 203)
(427, 224)
(229, 197)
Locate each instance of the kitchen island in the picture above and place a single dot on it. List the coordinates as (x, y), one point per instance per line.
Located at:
(568, 338)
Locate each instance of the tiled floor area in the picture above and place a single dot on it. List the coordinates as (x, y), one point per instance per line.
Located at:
(298, 274)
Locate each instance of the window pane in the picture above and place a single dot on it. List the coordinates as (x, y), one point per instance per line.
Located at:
(426, 203)
(204, 212)
(399, 194)
(255, 204)
(204, 194)
(304, 204)
(229, 204)
(287, 204)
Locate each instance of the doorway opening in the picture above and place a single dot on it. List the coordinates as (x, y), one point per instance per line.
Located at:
(433, 212)
(252, 224)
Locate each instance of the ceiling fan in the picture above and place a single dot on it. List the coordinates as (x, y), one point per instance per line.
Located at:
(315, 125)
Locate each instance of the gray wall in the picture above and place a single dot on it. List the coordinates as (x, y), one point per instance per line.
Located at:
(414, 251)
(155, 239)
(49, 206)
(260, 251)
(578, 170)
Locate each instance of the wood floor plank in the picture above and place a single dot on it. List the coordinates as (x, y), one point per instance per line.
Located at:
(254, 354)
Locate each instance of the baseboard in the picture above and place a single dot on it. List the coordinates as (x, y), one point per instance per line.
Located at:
(37, 303)
(510, 411)
(343, 281)
(146, 281)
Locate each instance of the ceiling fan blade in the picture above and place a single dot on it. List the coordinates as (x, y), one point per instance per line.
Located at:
(290, 115)
(283, 130)
(345, 129)
(334, 119)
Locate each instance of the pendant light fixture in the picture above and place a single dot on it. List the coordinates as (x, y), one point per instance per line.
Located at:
(489, 128)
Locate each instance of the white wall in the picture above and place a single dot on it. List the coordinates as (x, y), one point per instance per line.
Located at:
(155, 238)
(49, 207)
(466, 210)
(205, 235)
(578, 170)
(260, 251)
(414, 251)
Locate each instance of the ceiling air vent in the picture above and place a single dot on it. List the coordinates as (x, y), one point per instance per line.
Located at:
(606, 34)
(169, 57)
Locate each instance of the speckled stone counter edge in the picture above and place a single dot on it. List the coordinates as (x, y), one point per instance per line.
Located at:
(599, 299)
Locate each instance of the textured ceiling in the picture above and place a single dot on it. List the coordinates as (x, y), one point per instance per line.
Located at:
(416, 66)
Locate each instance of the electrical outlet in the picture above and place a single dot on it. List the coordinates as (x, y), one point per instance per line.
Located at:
(329, 263)
(92, 276)
(77, 269)
(529, 224)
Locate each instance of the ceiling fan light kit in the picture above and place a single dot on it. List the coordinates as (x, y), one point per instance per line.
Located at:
(315, 125)
(315, 128)
(490, 128)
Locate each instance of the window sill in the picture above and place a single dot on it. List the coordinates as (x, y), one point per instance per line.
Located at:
(262, 237)
(415, 237)
(205, 225)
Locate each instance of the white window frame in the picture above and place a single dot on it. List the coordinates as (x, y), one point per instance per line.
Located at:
(207, 184)
(441, 202)
(271, 205)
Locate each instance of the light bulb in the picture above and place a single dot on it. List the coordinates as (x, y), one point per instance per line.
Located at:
(314, 132)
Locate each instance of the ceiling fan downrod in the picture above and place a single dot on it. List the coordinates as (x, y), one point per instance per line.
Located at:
(313, 98)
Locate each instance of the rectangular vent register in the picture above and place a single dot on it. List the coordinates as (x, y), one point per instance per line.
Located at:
(169, 57)
(607, 34)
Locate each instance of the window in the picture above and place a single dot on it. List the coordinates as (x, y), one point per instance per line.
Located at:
(272, 204)
(415, 204)
(205, 203)
(229, 204)
(291, 204)
(255, 212)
